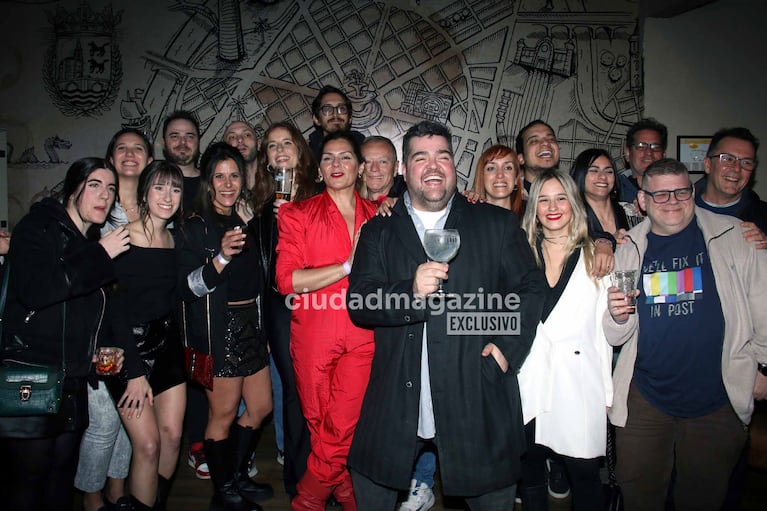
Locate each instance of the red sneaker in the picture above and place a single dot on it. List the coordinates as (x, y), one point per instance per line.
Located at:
(198, 462)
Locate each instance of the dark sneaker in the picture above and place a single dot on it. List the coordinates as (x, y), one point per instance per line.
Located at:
(559, 486)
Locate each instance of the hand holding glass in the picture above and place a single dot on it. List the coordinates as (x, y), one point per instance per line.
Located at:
(626, 282)
(441, 245)
(106, 361)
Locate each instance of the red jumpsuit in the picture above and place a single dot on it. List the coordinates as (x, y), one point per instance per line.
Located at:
(331, 356)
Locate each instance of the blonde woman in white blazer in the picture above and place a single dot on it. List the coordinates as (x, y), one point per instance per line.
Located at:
(565, 383)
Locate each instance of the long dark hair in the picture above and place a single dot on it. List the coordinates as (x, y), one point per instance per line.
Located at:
(144, 139)
(580, 169)
(305, 174)
(213, 155)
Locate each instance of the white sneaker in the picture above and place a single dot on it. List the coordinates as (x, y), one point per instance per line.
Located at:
(420, 498)
(252, 468)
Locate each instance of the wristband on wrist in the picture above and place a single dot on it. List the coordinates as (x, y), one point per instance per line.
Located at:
(602, 240)
(221, 259)
(347, 267)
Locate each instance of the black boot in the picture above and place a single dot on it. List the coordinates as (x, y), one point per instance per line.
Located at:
(245, 441)
(163, 490)
(221, 457)
(137, 505)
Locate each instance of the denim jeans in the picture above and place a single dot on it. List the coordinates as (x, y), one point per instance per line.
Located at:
(425, 466)
(105, 449)
(279, 435)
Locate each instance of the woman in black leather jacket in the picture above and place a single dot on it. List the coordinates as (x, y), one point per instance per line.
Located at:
(55, 297)
(283, 145)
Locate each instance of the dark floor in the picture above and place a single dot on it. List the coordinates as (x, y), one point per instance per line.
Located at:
(191, 494)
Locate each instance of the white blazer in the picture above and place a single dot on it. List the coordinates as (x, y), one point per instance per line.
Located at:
(566, 381)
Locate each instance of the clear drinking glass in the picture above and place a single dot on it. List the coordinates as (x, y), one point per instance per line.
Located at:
(441, 245)
(626, 282)
(283, 178)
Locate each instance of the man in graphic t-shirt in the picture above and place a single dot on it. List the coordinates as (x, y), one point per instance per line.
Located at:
(694, 347)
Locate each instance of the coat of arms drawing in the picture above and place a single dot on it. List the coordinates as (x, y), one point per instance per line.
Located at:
(83, 67)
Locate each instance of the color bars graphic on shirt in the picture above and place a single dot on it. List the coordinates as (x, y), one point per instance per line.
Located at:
(673, 286)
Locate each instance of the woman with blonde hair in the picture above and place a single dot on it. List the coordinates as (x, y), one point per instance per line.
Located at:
(565, 382)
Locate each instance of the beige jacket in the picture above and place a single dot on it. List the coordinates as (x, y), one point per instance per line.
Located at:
(740, 272)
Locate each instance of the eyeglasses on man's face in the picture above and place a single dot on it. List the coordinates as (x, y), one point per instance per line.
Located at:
(644, 146)
(327, 110)
(663, 196)
(730, 160)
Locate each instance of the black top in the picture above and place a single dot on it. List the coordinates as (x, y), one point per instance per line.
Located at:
(146, 283)
(245, 281)
(554, 293)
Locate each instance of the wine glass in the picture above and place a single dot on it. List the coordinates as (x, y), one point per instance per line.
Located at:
(441, 245)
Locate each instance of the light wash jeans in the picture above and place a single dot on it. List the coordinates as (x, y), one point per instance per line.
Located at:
(105, 449)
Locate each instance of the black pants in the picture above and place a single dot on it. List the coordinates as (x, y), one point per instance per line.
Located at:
(583, 474)
(39, 474)
(296, 433)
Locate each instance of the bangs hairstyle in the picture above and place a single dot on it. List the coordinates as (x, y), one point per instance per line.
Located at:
(304, 175)
(160, 172)
(493, 153)
(215, 154)
(578, 231)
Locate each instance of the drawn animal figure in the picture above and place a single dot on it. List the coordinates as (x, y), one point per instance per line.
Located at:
(96, 66)
(28, 156)
(52, 144)
(97, 49)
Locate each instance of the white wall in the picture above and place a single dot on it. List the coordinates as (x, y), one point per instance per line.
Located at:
(703, 71)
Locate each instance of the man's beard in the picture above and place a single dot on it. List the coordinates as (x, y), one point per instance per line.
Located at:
(181, 160)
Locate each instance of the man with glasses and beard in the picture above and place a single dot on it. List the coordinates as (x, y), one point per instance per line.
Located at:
(331, 112)
(694, 347)
(646, 142)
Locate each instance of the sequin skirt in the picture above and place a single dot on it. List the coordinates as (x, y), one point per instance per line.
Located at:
(245, 350)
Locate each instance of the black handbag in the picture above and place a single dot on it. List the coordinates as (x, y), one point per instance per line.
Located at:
(28, 389)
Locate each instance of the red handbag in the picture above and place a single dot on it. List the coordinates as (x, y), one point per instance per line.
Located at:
(199, 365)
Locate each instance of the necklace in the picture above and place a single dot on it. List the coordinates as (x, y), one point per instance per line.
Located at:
(551, 239)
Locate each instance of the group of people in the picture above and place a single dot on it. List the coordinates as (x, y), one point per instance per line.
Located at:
(379, 378)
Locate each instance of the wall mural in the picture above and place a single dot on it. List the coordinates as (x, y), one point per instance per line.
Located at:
(483, 67)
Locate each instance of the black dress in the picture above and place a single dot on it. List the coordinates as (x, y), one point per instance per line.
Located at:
(144, 299)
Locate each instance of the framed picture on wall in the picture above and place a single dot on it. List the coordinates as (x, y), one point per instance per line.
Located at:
(691, 150)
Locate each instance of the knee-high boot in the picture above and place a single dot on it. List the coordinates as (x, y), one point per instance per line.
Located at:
(344, 494)
(312, 495)
(245, 441)
(226, 497)
(163, 490)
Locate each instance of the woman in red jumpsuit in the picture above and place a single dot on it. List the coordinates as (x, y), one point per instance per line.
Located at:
(331, 356)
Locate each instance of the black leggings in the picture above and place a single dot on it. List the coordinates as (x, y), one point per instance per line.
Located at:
(38, 474)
